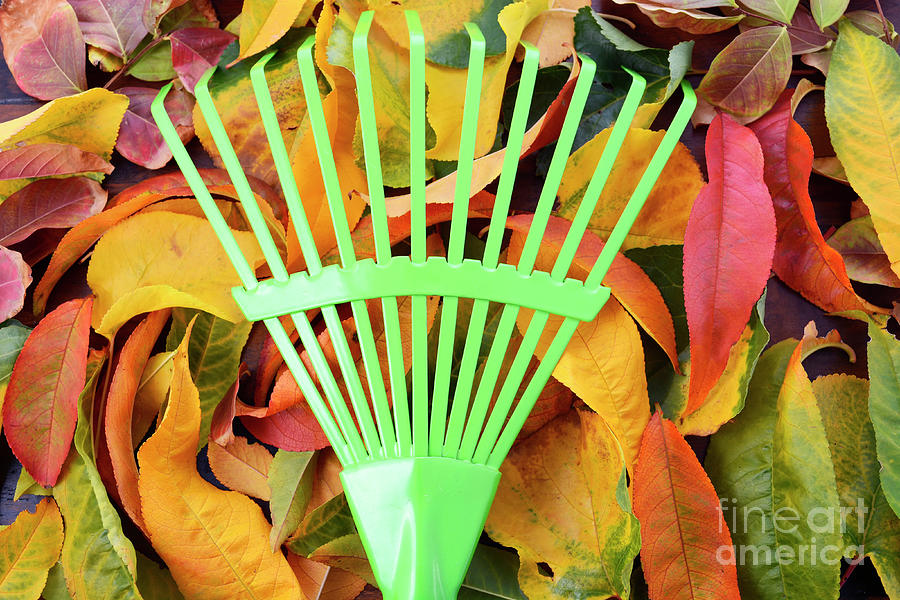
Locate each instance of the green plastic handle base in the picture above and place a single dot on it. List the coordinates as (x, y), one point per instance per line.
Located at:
(420, 520)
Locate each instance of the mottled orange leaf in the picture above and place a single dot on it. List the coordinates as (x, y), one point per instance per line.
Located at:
(683, 532)
(241, 466)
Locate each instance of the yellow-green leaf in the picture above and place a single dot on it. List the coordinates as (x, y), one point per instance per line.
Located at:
(665, 214)
(28, 548)
(161, 259)
(884, 407)
(215, 542)
(862, 108)
(563, 501)
(263, 22)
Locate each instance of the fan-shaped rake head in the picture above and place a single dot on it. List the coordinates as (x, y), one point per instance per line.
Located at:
(420, 470)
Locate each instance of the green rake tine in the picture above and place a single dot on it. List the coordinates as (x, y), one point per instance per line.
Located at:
(195, 181)
(598, 179)
(236, 173)
(389, 311)
(283, 164)
(458, 221)
(348, 256)
(496, 229)
(417, 229)
(644, 186)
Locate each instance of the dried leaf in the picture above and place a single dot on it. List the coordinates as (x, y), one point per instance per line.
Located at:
(49, 203)
(682, 528)
(864, 258)
(15, 277)
(140, 140)
(46, 160)
(195, 50)
(686, 14)
(113, 25)
(43, 47)
(242, 467)
(40, 408)
(728, 249)
(28, 548)
(746, 78)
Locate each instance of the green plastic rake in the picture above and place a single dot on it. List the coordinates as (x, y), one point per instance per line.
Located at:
(421, 470)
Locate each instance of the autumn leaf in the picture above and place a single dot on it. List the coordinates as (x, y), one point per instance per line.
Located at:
(687, 15)
(40, 408)
(563, 501)
(665, 213)
(43, 47)
(864, 258)
(190, 520)
(113, 25)
(161, 259)
(45, 160)
(884, 390)
(683, 533)
(28, 548)
(15, 277)
(780, 10)
(862, 108)
(242, 466)
(263, 22)
(155, 583)
(195, 50)
(140, 140)
(774, 457)
(12, 337)
(746, 78)
(728, 249)
(290, 481)
(154, 10)
(49, 203)
(552, 32)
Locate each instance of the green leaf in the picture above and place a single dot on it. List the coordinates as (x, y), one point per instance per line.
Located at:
(862, 109)
(96, 558)
(746, 78)
(27, 485)
(155, 582)
(326, 523)
(663, 265)
(773, 465)
(780, 10)
(492, 574)
(290, 479)
(156, 65)
(826, 12)
(55, 588)
(214, 353)
(884, 407)
(12, 337)
(870, 526)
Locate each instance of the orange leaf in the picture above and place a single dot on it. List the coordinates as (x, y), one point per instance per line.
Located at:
(215, 542)
(120, 408)
(242, 466)
(682, 528)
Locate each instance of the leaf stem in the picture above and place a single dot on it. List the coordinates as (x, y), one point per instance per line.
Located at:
(884, 23)
(131, 62)
(849, 570)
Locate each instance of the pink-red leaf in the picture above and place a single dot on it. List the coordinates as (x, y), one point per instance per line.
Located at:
(113, 25)
(139, 138)
(683, 533)
(45, 160)
(49, 203)
(40, 408)
(728, 248)
(43, 47)
(802, 259)
(196, 49)
(15, 277)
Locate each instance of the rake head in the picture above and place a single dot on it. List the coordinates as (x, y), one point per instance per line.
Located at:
(421, 468)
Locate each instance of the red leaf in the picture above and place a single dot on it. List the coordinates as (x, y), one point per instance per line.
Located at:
(728, 248)
(15, 277)
(139, 138)
(43, 47)
(44, 160)
(49, 203)
(802, 259)
(40, 408)
(113, 25)
(683, 533)
(196, 49)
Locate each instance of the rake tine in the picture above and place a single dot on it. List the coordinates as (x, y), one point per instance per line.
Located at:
(195, 181)
(345, 247)
(644, 186)
(496, 229)
(283, 164)
(417, 229)
(236, 173)
(383, 255)
(458, 221)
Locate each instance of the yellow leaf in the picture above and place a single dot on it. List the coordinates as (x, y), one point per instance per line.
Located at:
(553, 30)
(215, 542)
(242, 466)
(152, 391)
(862, 107)
(562, 501)
(263, 22)
(604, 366)
(665, 214)
(158, 260)
(89, 120)
(28, 548)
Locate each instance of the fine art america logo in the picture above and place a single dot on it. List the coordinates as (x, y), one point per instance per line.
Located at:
(821, 532)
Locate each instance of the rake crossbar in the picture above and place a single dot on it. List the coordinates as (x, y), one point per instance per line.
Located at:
(420, 466)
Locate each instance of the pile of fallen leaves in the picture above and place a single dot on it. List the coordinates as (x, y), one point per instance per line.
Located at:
(176, 454)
